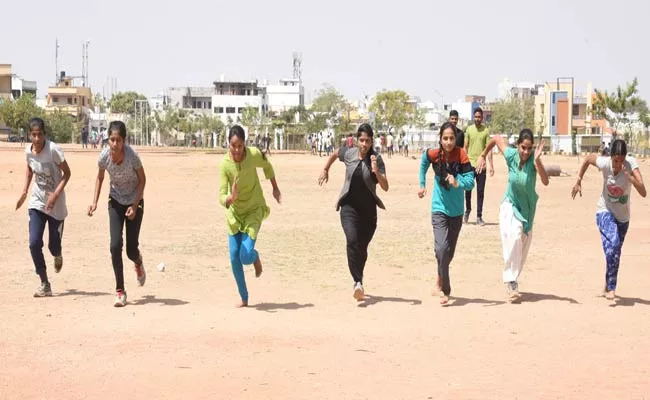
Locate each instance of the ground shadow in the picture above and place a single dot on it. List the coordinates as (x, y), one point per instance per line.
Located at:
(153, 300)
(461, 301)
(75, 292)
(370, 300)
(629, 302)
(274, 307)
(485, 223)
(535, 297)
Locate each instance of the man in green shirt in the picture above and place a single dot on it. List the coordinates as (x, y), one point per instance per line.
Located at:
(476, 140)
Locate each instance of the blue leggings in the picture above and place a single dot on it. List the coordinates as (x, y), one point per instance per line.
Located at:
(612, 233)
(242, 252)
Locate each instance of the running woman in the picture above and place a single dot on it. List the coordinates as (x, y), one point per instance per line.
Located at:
(358, 201)
(47, 165)
(453, 176)
(620, 173)
(241, 194)
(125, 204)
(517, 211)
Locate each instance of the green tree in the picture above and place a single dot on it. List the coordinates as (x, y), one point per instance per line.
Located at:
(16, 114)
(391, 109)
(510, 116)
(60, 126)
(619, 106)
(124, 102)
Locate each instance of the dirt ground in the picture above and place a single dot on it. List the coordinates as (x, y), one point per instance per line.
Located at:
(304, 336)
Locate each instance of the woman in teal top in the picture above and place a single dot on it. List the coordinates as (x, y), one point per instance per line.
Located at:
(519, 203)
(453, 176)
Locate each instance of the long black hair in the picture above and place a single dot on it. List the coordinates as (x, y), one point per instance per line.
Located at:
(441, 166)
(119, 127)
(618, 148)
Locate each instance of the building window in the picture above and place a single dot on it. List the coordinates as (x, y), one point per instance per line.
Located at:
(69, 100)
(553, 120)
(209, 105)
(576, 110)
(75, 100)
(55, 99)
(230, 110)
(241, 110)
(218, 110)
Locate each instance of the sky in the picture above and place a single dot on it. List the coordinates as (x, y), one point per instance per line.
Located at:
(430, 49)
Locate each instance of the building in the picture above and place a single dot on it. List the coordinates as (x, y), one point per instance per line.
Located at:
(20, 86)
(5, 81)
(158, 103)
(65, 96)
(519, 90)
(472, 98)
(197, 100)
(559, 111)
(230, 98)
(287, 94)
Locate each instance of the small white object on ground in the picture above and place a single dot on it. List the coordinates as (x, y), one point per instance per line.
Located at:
(161, 267)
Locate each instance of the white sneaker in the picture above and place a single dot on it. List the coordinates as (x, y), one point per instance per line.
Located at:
(358, 291)
(120, 298)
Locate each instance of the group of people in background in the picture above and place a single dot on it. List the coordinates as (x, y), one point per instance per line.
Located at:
(459, 164)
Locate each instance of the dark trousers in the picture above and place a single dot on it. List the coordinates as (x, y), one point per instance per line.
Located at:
(445, 234)
(37, 221)
(359, 228)
(117, 219)
(480, 193)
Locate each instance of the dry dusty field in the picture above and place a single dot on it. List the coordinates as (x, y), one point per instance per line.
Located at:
(304, 337)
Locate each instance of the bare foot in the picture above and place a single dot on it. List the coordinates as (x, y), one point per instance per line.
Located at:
(258, 267)
(444, 300)
(514, 296)
(242, 304)
(610, 295)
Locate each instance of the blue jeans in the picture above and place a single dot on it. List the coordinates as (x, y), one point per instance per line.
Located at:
(37, 221)
(242, 252)
(612, 233)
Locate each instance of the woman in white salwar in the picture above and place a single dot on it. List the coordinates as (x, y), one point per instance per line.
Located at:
(518, 207)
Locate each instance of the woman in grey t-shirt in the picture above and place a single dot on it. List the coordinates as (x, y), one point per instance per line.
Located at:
(47, 165)
(125, 203)
(620, 173)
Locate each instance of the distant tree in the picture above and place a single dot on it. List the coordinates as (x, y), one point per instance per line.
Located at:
(124, 102)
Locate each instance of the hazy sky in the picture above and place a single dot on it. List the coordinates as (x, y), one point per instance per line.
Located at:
(358, 46)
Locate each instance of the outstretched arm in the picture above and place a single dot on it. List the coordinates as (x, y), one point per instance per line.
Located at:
(495, 141)
(28, 180)
(577, 188)
(539, 166)
(324, 175)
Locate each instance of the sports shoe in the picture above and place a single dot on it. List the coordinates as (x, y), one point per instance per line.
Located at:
(358, 291)
(513, 291)
(120, 298)
(479, 221)
(45, 290)
(466, 218)
(58, 264)
(141, 275)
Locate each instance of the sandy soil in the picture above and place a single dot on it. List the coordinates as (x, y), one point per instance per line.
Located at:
(304, 337)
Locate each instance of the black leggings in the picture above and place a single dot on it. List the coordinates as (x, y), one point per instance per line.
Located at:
(359, 228)
(117, 218)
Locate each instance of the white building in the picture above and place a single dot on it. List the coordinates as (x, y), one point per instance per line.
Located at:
(231, 98)
(464, 109)
(158, 103)
(508, 89)
(197, 100)
(283, 96)
(20, 86)
(434, 116)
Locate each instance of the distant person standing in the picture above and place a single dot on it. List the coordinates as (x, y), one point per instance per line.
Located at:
(389, 144)
(476, 140)
(84, 138)
(460, 135)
